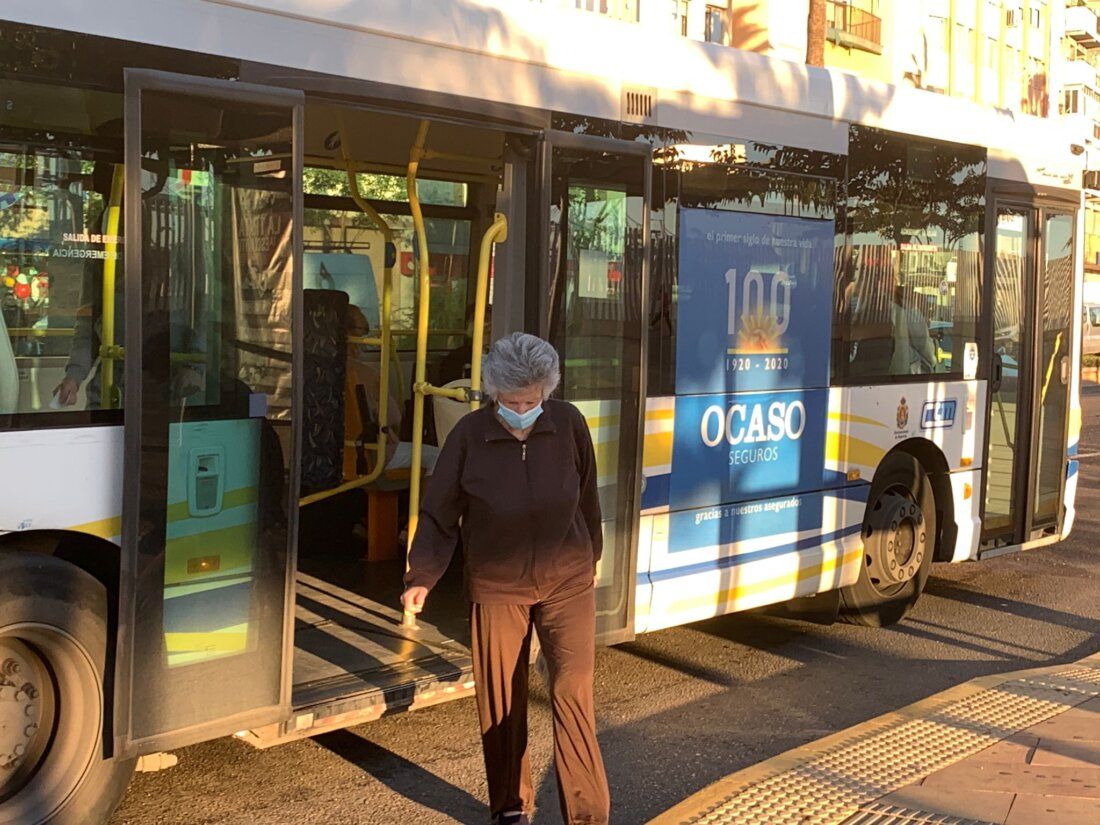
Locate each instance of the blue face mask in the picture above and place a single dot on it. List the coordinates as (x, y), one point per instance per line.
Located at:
(519, 421)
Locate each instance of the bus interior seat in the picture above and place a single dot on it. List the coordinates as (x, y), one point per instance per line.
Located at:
(324, 343)
(447, 411)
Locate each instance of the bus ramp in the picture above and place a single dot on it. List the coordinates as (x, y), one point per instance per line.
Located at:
(1021, 747)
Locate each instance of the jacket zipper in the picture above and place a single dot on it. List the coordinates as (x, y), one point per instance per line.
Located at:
(524, 454)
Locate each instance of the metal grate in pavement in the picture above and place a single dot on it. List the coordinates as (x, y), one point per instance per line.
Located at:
(879, 813)
(836, 784)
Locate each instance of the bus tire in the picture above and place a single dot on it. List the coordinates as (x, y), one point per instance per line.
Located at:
(899, 541)
(53, 643)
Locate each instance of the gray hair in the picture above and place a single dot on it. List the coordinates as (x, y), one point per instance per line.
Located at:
(518, 361)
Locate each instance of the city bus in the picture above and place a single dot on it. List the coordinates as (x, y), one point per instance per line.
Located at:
(824, 332)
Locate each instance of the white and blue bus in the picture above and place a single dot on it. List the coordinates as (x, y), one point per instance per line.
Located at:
(824, 332)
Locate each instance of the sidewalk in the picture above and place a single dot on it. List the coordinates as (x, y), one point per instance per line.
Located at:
(1019, 748)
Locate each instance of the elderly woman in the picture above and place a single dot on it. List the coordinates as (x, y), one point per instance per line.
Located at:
(519, 475)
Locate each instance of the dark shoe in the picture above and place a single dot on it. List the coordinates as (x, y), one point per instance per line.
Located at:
(511, 819)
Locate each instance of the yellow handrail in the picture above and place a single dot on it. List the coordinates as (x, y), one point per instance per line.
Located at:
(385, 342)
(108, 352)
(1050, 369)
(496, 233)
(424, 291)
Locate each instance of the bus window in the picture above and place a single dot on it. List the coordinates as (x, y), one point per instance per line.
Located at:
(909, 277)
(60, 242)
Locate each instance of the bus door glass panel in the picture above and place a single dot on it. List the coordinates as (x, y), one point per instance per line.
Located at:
(213, 192)
(597, 253)
(1013, 271)
(1053, 345)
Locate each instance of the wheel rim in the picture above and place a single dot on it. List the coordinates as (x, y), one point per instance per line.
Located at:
(28, 708)
(66, 744)
(895, 540)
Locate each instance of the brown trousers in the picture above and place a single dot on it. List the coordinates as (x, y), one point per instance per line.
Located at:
(566, 627)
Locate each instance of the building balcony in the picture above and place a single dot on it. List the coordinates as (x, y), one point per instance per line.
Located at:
(853, 27)
(1081, 26)
(1079, 73)
(1084, 129)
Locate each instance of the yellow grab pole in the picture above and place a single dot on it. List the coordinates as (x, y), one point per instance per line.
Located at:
(386, 342)
(108, 352)
(496, 233)
(424, 279)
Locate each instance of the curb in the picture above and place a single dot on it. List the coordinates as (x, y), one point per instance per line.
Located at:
(769, 792)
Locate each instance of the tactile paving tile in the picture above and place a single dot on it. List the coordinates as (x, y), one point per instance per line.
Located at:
(843, 781)
(880, 813)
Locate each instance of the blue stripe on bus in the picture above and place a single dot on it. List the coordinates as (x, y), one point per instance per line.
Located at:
(1072, 469)
(811, 543)
(655, 493)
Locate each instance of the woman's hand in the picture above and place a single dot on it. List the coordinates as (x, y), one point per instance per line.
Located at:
(66, 392)
(412, 600)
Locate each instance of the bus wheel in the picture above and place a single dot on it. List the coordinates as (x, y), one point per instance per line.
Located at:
(899, 539)
(53, 641)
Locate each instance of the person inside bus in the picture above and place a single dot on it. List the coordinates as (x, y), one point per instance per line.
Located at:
(914, 351)
(518, 478)
(455, 363)
(88, 326)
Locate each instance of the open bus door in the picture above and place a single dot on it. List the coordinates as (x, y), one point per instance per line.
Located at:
(596, 264)
(213, 207)
(1030, 294)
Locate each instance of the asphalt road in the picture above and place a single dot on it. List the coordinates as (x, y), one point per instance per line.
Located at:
(679, 708)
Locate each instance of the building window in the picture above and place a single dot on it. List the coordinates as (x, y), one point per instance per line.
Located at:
(1036, 18)
(716, 26)
(992, 47)
(1069, 105)
(680, 15)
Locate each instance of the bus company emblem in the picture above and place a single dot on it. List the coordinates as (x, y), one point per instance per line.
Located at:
(903, 415)
(938, 415)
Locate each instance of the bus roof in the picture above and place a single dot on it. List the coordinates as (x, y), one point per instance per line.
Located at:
(516, 52)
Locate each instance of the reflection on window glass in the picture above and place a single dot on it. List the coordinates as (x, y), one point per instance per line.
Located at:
(60, 242)
(718, 185)
(384, 187)
(1054, 346)
(345, 251)
(594, 258)
(909, 281)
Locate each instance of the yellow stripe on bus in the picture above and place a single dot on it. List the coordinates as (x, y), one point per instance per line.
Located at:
(854, 419)
(737, 592)
(230, 640)
(844, 449)
(657, 450)
(109, 528)
(178, 511)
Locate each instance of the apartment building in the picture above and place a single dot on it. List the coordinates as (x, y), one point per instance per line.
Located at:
(1080, 103)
